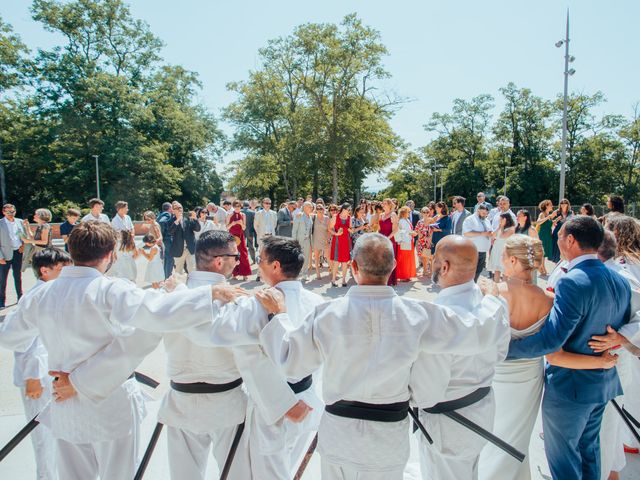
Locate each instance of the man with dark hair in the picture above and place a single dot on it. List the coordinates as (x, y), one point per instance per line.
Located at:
(367, 343)
(183, 243)
(587, 299)
(459, 215)
(86, 315)
(284, 227)
(279, 264)
(121, 221)
(31, 372)
(164, 219)
(478, 229)
(97, 206)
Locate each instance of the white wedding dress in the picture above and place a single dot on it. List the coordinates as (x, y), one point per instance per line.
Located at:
(517, 387)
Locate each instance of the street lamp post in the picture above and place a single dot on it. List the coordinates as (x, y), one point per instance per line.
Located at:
(505, 179)
(435, 187)
(97, 176)
(567, 72)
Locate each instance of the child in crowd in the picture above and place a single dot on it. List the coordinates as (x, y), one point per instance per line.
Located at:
(125, 265)
(30, 370)
(66, 227)
(154, 272)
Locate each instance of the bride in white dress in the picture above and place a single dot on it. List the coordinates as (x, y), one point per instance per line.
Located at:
(517, 385)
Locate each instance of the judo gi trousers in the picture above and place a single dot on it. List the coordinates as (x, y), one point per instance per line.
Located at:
(111, 460)
(43, 442)
(330, 471)
(456, 449)
(571, 438)
(188, 452)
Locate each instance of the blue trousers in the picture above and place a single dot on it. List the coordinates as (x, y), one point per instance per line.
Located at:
(572, 438)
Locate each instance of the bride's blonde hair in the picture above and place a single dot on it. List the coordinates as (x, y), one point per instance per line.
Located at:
(528, 251)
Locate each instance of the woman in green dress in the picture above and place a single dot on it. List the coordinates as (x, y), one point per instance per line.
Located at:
(544, 224)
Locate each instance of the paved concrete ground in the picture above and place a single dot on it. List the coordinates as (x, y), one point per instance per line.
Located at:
(20, 464)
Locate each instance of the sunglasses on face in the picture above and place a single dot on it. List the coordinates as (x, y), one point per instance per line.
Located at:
(234, 255)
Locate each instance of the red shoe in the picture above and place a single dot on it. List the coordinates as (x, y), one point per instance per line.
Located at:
(631, 450)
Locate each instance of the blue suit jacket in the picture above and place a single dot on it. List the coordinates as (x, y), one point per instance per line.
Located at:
(590, 297)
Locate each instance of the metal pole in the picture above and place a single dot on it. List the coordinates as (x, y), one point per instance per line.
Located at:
(505, 180)
(97, 176)
(435, 191)
(563, 154)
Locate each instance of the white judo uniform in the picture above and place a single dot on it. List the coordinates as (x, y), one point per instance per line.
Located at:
(81, 314)
(277, 449)
(199, 423)
(367, 343)
(456, 449)
(33, 364)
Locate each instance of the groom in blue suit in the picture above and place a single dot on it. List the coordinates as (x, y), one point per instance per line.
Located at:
(587, 299)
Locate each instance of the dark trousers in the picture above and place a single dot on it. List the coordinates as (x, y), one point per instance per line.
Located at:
(251, 247)
(167, 261)
(482, 259)
(572, 437)
(16, 264)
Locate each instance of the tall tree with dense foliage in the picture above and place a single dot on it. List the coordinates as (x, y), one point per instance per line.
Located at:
(105, 92)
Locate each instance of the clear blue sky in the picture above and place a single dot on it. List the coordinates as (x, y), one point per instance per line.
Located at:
(438, 50)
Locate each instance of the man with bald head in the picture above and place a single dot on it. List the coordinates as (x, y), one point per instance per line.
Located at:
(367, 343)
(456, 449)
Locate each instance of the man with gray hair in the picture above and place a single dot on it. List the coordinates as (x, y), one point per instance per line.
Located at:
(302, 231)
(367, 343)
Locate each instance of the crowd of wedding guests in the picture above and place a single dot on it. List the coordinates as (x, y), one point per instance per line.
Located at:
(327, 233)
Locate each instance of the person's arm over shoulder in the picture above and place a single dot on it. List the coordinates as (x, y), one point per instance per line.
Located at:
(157, 311)
(565, 315)
(465, 333)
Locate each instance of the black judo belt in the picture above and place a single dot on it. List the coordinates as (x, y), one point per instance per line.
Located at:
(449, 409)
(196, 388)
(302, 385)
(375, 412)
(628, 419)
(33, 423)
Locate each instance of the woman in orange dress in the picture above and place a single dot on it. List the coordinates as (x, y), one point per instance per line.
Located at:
(406, 257)
(340, 243)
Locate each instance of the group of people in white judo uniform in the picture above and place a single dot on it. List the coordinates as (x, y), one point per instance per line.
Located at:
(242, 368)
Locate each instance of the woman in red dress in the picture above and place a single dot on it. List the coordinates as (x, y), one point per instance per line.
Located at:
(388, 228)
(340, 242)
(236, 223)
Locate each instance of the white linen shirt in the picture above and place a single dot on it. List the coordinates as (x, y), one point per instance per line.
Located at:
(102, 218)
(122, 223)
(367, 342)
(473, 223)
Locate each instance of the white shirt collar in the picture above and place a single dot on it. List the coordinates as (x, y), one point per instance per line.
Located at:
(200, 278)
(371, 291)
(457, 289)
(580, 259)
(78, 271)
(289, 285)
